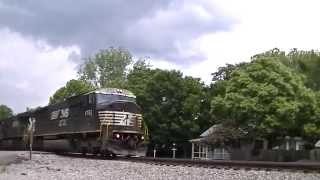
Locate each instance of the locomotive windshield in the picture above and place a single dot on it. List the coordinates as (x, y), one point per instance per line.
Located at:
(109, 98)
(115, 102)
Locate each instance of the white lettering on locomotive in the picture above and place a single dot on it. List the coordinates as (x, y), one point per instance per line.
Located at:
(55, 114)
(62, 122)
(88, 113)
(126, 120)
(64, 113)
(60, 113)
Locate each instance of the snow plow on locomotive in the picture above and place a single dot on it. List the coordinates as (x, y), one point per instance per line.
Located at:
(106, 121)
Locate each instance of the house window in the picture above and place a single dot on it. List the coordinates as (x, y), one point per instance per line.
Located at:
(200, 151)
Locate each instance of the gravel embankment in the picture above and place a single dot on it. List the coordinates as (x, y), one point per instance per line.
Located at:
(49, 167)
(8, 157)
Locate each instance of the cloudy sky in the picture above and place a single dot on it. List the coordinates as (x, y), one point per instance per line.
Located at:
(43, 42)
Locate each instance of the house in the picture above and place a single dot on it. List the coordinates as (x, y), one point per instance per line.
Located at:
(291, 143)
(201, 150)
(245, 149)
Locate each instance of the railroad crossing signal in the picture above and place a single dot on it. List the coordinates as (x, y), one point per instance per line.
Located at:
(31, 129)
(154, 152)
(174, 150)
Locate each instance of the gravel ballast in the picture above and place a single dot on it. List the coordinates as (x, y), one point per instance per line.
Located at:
(50, 166)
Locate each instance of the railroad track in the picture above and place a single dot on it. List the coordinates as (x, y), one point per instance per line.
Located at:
(306, 167)
(228, 164)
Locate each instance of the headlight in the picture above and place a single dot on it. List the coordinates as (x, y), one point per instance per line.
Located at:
(142, 137)
(117, 136)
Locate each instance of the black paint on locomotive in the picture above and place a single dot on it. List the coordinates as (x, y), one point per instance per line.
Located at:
(78, 123)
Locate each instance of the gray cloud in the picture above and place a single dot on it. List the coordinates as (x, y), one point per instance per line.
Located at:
(158, 29)
(31, 71)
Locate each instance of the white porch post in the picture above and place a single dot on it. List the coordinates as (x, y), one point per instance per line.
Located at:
(206, 152)
(287, 145)
(287, 138)
(265, 144)
(223, 153)
(192, 151)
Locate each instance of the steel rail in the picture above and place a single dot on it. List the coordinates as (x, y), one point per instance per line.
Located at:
(267, 165)
(227, 164)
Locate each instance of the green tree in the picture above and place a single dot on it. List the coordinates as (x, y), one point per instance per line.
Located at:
(221, 77)
(307, 63)
(267, 99)
(30, 109)
(171, 104)
(304, 62)
(312, 126)
(225, 72)
(5, 112)
(107, 68)
(138, 78)
(72, 88)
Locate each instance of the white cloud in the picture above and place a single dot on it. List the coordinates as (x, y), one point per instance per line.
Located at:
(30, 71)
(262, 25)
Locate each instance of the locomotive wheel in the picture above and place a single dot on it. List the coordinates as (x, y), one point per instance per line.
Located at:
(132, 143)
(110, 156)
(84, 151)
(95, 150)
(107, 154)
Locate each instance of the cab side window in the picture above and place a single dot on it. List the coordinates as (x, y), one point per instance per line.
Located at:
(84, 101)
(91, 99)
(88, 100)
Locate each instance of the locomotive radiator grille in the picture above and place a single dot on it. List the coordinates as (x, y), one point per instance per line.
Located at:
(120, 118)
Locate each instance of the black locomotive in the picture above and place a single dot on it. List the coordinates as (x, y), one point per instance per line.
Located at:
(106, 121)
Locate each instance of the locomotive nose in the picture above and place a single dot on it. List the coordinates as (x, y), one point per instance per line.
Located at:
(132, 143)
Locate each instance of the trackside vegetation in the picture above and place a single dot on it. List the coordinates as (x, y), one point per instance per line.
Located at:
(274, 94)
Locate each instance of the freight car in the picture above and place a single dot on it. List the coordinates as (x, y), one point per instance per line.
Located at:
(106, 121)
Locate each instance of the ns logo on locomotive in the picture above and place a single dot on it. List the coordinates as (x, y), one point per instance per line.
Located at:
(106, 121)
